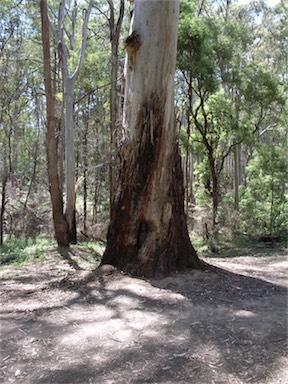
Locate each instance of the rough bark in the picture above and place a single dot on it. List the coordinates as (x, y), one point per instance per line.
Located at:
(60, 224)
(148, 232)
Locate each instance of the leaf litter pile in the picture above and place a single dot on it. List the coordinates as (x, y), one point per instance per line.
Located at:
(65, 324)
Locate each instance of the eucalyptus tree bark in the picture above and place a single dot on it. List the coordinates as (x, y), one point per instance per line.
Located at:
(115, 28)
(148, 233)
(69, 86)
(60, 224)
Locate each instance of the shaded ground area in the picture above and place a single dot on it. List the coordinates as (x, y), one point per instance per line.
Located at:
(63, 324)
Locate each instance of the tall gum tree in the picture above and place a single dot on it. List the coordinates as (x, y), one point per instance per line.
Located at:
(60, 223)
(148, 233)
(69, 79)
(115, 29)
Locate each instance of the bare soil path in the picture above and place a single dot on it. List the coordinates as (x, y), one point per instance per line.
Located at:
(61, 323)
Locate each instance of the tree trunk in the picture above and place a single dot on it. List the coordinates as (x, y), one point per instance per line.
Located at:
(148, 232)
(115, 28)
(60, 224)
(85, 165)
(4, 178)
(70, 160)
(191, 178)
(189, 184)
(236, 175)
(215, 200)
(113, 118)
(69, 85)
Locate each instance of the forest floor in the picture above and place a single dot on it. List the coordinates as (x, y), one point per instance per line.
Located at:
(62, 323)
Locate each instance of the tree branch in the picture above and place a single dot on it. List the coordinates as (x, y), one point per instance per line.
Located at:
(94, 90)
(84, 41)
(120, 18)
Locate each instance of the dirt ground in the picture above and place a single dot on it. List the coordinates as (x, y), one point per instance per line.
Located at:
(61, 323)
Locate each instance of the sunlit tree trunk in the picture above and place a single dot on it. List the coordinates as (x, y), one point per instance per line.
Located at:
(215, 198)
(70, 159)
(148, 232)
(69, 85)
(236, 154)
(3, 179)
(60, 224)
(115, 28)
(189, 184)
(36, 148)
(85, 165)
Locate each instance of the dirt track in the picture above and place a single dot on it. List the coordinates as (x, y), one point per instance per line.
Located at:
(61, 325)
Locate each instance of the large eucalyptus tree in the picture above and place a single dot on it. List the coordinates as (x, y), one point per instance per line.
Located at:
(148, 232)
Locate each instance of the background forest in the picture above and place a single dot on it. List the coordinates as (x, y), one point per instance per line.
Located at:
(231, 88)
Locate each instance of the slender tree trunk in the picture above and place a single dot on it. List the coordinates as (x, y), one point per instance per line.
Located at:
(186, 184)
(15, 141)
(236, 175)
(69, 83)
(215, 200)
(189, 190)
(33, 181)
(3, 203)
(148, 232)
(271, 221)
(113, 118)
(114, 39)
(191, 178)
(237, 151)
(85, 164)
(70, 160)
(60, 224)
(61, 140)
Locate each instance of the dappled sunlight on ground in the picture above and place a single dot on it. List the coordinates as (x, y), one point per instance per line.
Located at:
(61, 325)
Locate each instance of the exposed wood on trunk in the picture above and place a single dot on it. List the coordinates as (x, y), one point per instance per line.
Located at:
(148, 232)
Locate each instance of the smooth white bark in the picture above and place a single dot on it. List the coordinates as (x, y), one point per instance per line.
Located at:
(69, 85)
(156, 55)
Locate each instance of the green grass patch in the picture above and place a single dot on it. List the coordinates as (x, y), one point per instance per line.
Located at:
(96, 249)
(21, 250)
(242, 240)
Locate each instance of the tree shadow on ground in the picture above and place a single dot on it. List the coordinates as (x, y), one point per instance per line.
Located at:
(195, 327)
(67, 254)
(78, 257)
(254, 251)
